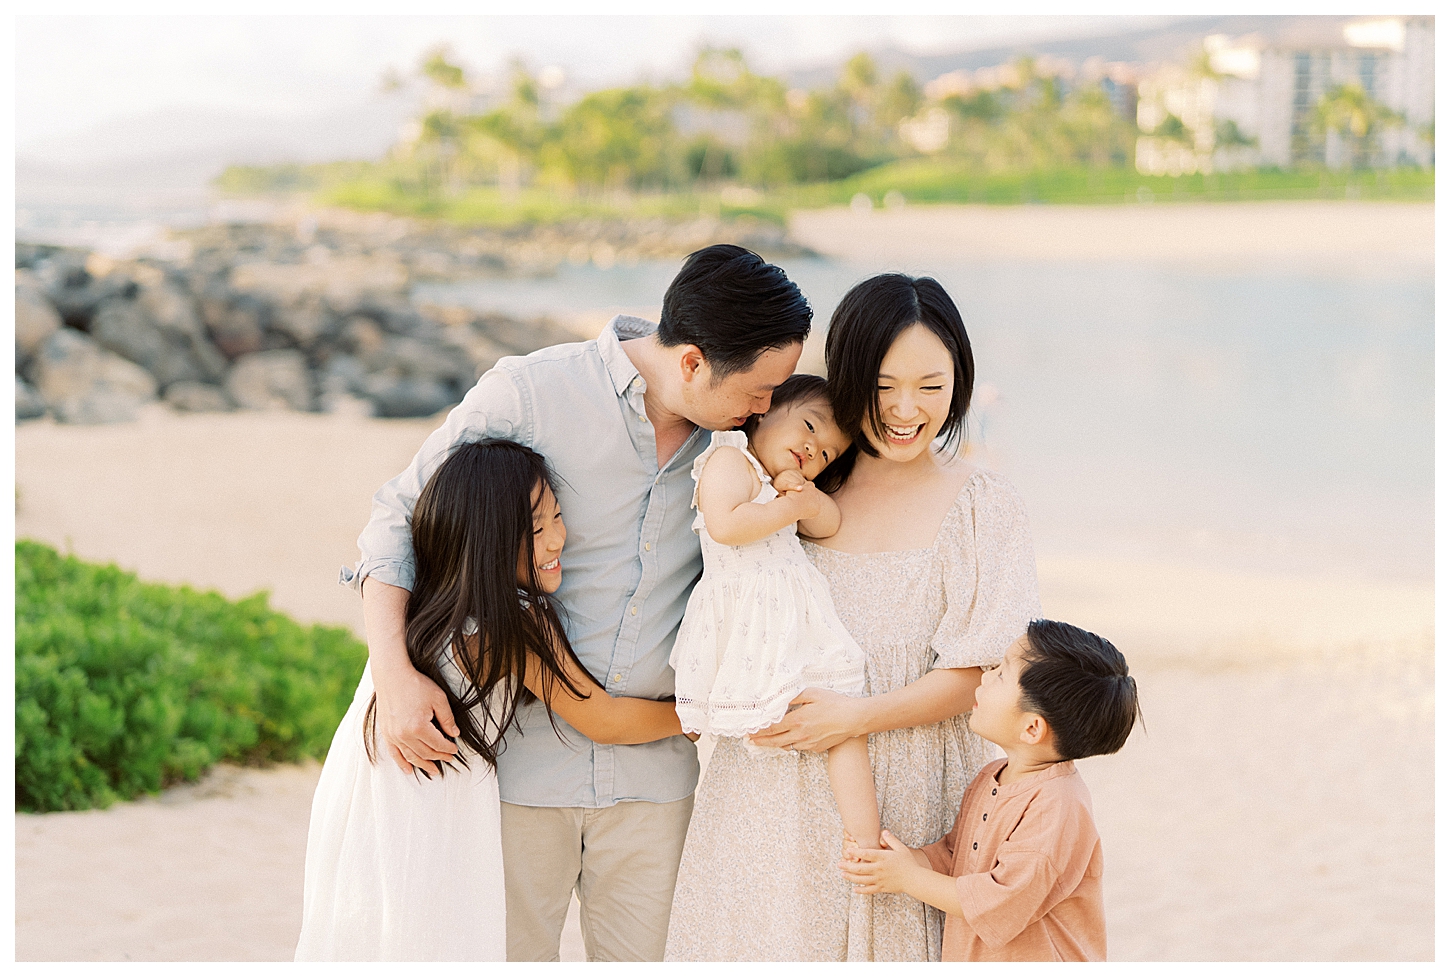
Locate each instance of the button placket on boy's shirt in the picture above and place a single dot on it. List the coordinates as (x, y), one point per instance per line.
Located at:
(980, 829)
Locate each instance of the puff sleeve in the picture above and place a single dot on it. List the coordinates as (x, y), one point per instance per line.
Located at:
(989, 574)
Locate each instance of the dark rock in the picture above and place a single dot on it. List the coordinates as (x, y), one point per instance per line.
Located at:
(271, 380)
(304, 322)
(171, 349)
(520, 336)
(35, 318)
(197, 398)
(237, 324)
(177, 315)
(416, 359)
(77, 294)
(363, 337)
(397, 396)
(82, 383)
(28, 404)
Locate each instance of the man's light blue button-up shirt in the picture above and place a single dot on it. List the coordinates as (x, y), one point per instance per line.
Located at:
(629, 563)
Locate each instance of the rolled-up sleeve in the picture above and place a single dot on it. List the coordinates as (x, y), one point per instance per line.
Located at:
(495, 408)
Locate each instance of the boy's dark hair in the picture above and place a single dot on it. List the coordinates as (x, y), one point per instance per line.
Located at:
(1080, 684)
(733, 305)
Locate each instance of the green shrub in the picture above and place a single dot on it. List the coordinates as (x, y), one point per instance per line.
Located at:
(124, 687)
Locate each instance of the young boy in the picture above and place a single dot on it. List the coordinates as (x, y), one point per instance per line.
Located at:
(1020, 874)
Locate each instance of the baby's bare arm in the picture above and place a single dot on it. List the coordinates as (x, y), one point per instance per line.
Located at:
(825, 523)
(728, 487)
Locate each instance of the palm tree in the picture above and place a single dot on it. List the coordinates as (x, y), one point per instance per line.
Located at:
(1348, 111)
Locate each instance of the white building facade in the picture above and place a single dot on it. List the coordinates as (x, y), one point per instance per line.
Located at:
(1251, 101)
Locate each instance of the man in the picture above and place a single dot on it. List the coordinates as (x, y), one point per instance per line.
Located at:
(620, 418)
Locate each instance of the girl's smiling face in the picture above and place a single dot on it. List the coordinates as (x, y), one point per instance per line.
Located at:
(914, 389)
(801, 436)
(549, 535)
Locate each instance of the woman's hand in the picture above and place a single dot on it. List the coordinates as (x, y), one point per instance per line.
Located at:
(820, 720)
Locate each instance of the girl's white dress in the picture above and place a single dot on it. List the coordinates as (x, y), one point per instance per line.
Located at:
(759, 627)
(401, 867)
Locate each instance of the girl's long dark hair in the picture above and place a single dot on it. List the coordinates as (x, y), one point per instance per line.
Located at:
(471, 523)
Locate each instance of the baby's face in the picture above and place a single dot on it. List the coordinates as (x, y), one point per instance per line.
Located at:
(802, 436)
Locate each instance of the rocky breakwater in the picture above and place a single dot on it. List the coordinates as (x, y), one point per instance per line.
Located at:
(305, 311)
(258, 326)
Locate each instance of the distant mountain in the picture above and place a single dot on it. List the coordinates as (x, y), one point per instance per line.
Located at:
(1173, 40)
(181, 150)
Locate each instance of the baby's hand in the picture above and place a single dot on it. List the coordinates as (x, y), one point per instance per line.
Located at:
(847, 843)
(808, 500)
(790, 480)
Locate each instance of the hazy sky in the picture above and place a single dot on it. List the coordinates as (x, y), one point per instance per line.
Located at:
(75, 71)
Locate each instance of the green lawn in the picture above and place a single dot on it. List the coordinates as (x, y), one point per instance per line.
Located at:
(373, 187)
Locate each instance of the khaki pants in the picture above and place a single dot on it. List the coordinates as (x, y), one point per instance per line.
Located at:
(622, 860)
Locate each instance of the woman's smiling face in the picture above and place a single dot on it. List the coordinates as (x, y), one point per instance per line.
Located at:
(914, 389)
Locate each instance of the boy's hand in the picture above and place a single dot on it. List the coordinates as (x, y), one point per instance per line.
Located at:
(889, 869)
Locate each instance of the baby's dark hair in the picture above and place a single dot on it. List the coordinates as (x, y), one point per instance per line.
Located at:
(800, 387)
(1080, 684)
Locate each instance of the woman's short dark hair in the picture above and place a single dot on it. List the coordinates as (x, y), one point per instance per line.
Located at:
(471, 522)
(863, 327)
(1080, 684)
(733, 305)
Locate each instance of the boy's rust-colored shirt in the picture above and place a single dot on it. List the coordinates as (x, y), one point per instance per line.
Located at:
(1029, 870)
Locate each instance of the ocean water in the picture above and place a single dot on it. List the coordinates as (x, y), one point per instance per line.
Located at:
(1271, 420)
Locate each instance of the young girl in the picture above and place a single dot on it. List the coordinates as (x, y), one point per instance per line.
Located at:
(410, 867)
(760, 626)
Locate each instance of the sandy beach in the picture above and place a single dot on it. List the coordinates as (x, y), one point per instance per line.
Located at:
(1278, 805)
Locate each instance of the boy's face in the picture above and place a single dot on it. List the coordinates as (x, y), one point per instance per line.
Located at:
(997, 715)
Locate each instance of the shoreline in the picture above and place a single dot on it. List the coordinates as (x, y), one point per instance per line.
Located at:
(1336, 236)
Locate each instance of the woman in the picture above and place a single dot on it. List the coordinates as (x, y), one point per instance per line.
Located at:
(933, 574)
(408, 867)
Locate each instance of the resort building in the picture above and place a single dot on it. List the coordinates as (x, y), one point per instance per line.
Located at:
(1256, 100)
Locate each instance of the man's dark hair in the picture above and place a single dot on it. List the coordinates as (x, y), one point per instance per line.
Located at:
(1080, 684)
(733, 305)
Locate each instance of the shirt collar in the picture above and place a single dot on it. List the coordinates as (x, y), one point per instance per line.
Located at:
(621, 371)
(1063, 768)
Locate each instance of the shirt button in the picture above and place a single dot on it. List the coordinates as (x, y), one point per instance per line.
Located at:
(617, 676)
(994, 792)
(638, 382)
(643, 418)
(984, 817)
(635, 610)
(646, 547)
(974, 846)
